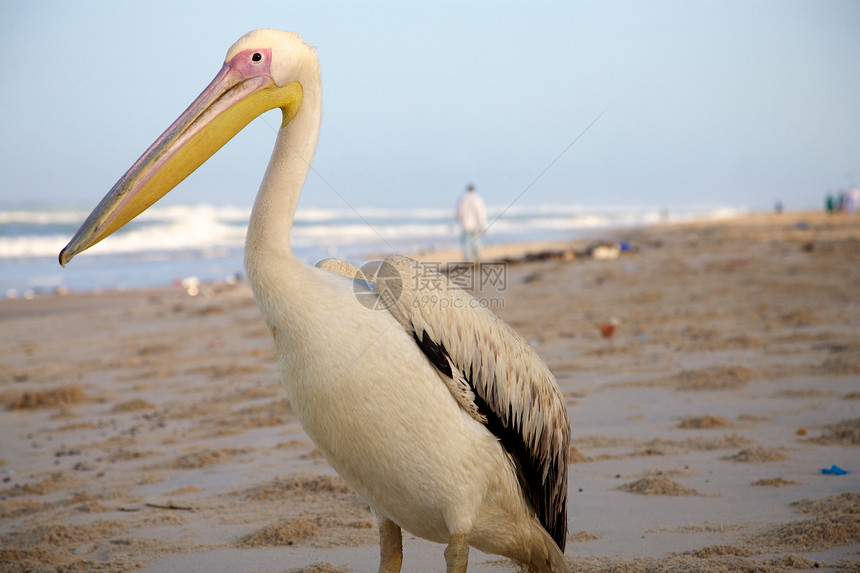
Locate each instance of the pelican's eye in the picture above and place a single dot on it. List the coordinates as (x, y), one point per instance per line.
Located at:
(257, 57)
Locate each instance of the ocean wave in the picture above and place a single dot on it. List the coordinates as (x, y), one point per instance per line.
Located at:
(42, 217)
(201, 228)
(31, 247)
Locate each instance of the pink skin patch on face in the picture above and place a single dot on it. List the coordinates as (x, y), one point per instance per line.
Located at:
(253, 62)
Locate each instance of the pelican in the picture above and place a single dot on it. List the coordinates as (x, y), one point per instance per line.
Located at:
(434, 410)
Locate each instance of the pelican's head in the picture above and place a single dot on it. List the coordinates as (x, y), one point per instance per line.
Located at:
(262, 71)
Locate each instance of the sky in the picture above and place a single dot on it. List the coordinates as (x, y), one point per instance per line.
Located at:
(605, 103)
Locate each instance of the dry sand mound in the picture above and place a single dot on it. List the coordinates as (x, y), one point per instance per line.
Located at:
(300, 486)
(846, 433)
(657, 485)
(715, 378)
(835, 521)
(288, 532)
(774, 482)
(703, 423)
(758, 455)
(43, 399)
(322, 567)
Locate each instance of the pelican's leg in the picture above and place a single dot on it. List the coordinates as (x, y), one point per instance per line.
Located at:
(457, 554)
(390, 546)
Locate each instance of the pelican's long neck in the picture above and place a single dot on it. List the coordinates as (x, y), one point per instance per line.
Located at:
(268, 239)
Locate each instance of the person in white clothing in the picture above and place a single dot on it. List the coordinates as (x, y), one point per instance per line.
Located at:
(472, 215)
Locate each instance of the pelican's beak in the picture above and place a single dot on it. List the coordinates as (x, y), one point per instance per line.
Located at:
(241, 91)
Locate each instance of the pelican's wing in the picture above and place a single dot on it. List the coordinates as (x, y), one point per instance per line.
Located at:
(494, 374)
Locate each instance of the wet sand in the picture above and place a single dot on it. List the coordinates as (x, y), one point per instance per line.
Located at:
(710, 375)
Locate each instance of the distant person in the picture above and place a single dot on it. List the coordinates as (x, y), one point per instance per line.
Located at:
(778, 207)
(472, 215)
(830, 203)
(852, 198)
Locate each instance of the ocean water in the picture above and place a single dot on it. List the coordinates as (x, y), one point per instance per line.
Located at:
(167, 244)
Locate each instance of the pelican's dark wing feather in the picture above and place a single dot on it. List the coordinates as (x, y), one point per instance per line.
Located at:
(494, 374)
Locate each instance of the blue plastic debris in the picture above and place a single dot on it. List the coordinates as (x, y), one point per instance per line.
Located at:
(834, 471)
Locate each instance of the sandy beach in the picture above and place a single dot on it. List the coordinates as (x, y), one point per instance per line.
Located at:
(711, 372)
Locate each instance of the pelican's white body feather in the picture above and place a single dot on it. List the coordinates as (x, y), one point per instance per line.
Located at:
(375, 407)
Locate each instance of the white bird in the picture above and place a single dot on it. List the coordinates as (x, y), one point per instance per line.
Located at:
(433, 409)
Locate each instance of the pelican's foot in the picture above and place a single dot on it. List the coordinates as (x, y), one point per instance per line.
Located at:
(457, 554)
(390, 546)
